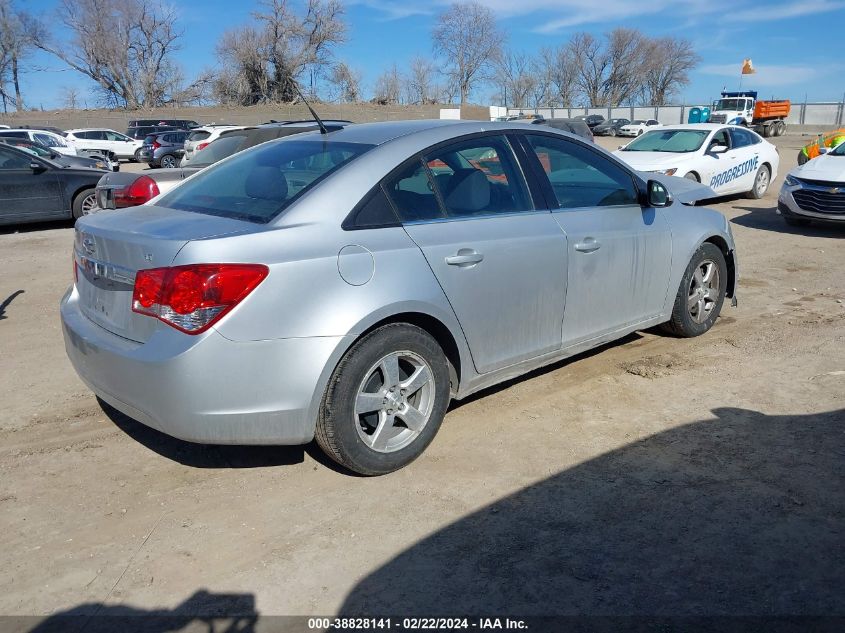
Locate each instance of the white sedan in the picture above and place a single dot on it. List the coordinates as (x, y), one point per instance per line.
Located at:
(815, 190)
(638, 126)
(727, 158)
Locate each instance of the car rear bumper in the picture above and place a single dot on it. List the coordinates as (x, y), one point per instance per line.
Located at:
(205, 388)
(787, 206)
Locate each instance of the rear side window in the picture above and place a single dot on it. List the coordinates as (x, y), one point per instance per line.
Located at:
(258, 185)
(477, 177)
(375, 212)
(15, 134)
(743, 138)
(10, 159)
(582, 178)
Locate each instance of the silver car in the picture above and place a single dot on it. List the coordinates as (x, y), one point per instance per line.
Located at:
(346, 286)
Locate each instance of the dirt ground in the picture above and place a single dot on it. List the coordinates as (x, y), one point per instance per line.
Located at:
(655, 476)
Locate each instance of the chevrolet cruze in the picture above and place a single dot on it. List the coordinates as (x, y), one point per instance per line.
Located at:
(346, 286)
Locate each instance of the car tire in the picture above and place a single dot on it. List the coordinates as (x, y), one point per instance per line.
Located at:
(701, 295)
(168, 161)
(612, 132)
(692, 176)
(762, 180)
(84, 201)
(376, 441)
(796, 221)
(137, 156)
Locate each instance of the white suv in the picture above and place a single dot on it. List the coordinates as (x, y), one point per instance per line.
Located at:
(118, 145)
(45, 138)
(200, 137)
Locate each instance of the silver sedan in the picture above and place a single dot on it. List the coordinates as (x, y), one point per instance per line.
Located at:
(346, 286)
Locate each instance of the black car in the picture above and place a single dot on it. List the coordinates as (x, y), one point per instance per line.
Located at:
(610, 127)
(34, 189)
(184, 124)
(591, 119)
(37, 149)
(578, 127)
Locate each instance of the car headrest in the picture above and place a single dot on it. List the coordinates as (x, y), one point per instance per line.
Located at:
(267, 183)
(468, 191)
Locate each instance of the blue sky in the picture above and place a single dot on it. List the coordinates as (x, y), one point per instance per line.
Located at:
(796, 45)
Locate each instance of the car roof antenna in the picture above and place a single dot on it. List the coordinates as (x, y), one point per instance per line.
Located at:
(323, 129)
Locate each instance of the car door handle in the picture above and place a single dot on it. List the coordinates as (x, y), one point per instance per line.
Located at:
(465, 257)
(589, 245)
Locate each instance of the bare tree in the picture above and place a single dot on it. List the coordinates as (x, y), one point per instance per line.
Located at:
(388, 88)
(516, 79)
(262, 62)
(420, 87)
(626, 52)
(469, 41)
(560, 73)
(18, 31)
(668, 63)
(125, 46)
(70, 97)
(591, 64)
(346, 82)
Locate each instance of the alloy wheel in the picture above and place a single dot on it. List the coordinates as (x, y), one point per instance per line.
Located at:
(704, 291)
(168, 162)
(761, 183)
(394, 401)
(89, 203)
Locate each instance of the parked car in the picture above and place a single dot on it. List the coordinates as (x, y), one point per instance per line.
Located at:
(164, 149)
(47, 128)
(142, 132)
(184, 124)
(37, 149)
(201, 137)
(35, 188)
(117, 145)
(578, 127)
(729, 159)
(5, 127)
(266, 300)
(610, 127)
(637, 127)
(131, 189)
(591, 119)
(44, 137)
(815, 190)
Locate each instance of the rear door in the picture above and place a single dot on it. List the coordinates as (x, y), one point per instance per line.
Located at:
(620, 253)
(28, 194)
(500, 259)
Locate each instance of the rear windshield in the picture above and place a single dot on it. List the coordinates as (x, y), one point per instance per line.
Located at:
(217, 150)
(149, 140)
(673, 141)
(198, 136)
(260, 183)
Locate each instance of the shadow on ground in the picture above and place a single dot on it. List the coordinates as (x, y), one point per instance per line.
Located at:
(741, 515)
(7, 302)
(203, 611)
(767, 219)
(208, 455)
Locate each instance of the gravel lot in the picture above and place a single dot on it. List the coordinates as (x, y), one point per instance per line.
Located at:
(654, 476)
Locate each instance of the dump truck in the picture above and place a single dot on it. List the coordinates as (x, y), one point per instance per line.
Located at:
(767, 118)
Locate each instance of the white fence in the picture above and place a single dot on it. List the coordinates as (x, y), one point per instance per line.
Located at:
(830, 113)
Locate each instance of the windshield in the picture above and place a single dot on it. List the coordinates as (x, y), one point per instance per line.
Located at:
(199, 136)
(838, 151)
(260, 183)
(49, 140)
(730, 104)
(672, 141)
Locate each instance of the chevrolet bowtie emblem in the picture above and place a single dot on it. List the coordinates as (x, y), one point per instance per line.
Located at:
(834, 190)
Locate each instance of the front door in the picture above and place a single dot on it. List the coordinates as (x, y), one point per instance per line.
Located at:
(620, 253)
(27, 194)
(500, 261)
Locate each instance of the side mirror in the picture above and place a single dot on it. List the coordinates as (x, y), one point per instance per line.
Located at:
(718, 149)
(658, 195)
(37, 167)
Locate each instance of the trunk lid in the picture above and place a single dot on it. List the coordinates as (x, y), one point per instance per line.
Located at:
(109, 248)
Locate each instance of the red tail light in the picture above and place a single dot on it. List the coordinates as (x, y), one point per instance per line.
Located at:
(156, 144)
(202, 146)
(192, 298)
(140, 191)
